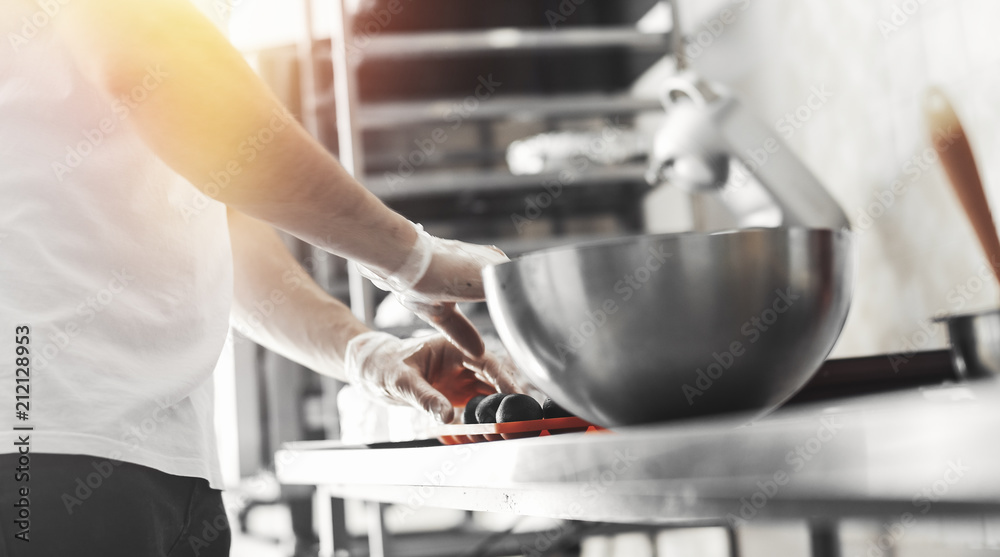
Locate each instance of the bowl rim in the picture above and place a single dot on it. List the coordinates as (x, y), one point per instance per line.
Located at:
(632, 238)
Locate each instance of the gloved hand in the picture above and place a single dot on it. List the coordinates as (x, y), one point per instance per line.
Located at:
(437, 274)
(429, 373)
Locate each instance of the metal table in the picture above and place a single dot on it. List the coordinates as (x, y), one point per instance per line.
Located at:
(900, 455)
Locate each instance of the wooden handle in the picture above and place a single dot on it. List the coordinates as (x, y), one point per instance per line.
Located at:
(960, 165)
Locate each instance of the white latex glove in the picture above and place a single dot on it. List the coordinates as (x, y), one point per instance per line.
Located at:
(437, 274)
(429, 373)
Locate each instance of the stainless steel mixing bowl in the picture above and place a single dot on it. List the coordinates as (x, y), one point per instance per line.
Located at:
(653, 328)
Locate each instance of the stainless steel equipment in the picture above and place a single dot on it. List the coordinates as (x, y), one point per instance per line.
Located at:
(975, 343)
(659, 327)
(873, 456)
(710, 142)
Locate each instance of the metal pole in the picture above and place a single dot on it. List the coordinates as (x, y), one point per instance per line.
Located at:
(334, 541)
(677, 35)
(345, 89)
(824, 538)
(307, 75)
(309, 101)
(377, 538)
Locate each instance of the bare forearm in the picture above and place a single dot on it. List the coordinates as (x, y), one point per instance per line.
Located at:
(279, 306)
(211, 119)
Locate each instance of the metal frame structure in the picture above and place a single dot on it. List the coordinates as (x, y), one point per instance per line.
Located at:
(352, 118)
(908, 457)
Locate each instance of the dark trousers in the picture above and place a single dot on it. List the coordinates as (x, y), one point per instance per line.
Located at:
(83, 505)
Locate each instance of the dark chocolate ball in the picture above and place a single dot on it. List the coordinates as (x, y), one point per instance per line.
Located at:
(552, 410)
(486, 411)
(518, 408)
(469, 415)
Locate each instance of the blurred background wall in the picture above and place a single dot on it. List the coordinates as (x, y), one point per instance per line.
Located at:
(873, 60)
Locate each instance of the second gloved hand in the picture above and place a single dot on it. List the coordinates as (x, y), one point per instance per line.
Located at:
(429, 373)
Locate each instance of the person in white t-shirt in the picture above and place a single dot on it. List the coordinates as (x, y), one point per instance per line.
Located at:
(142, 168)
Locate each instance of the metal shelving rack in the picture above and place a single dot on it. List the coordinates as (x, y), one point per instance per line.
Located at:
(354, 117)
(389, 114)
(447, 43)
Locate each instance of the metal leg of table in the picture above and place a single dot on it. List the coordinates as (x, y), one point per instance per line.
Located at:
(331, 525)
(378, 541)
(734, 541)
(824, 538)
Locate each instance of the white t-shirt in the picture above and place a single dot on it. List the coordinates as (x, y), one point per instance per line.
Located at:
(120, 268)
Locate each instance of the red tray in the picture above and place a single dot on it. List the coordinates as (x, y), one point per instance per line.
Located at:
(459, 434)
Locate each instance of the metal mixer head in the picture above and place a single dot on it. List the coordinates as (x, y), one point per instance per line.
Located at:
(706, 131)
